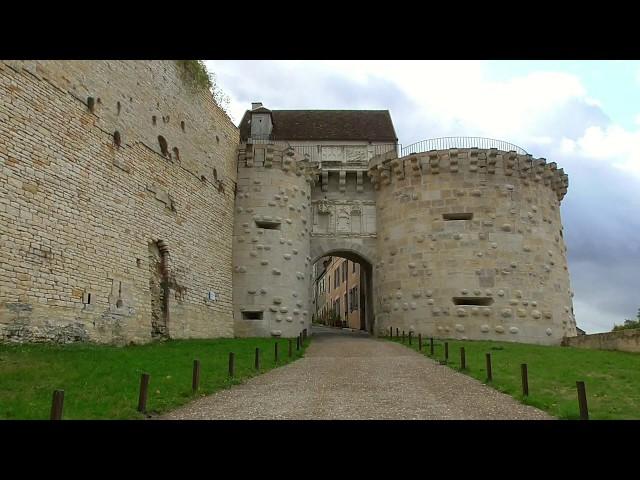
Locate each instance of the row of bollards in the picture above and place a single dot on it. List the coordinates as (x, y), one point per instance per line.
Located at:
(57, 403)
(582, 396)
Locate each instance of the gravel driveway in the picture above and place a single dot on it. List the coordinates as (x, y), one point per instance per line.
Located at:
(348, 375)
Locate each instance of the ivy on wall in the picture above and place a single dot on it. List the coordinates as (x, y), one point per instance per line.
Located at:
(195, 73)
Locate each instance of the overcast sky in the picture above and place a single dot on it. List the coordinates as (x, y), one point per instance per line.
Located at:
(584, 115)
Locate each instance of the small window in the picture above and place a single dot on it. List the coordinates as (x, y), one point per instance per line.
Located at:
(116, 138)
(176, 152)
(182, 125)
(91, 103)
(268, 225)
(119, 107)
(457, 216)
(153, 119)
(473, 301)
(257, 315)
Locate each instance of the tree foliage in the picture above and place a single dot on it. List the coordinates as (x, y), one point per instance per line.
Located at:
(628, 324)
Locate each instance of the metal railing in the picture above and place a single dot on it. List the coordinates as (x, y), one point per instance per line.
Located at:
(445, 143)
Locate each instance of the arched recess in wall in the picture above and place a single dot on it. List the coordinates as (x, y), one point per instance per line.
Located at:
(164, 147)
(176, 153)
(117, 140)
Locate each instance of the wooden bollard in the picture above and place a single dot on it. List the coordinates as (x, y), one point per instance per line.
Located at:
(402, 336)
(257, 361)
(290, 348)
(195, 378)
(297, 343)
(582, 401)
(419, 342)
(446, 351)
(463, 359)
(57, 404)
(276, 351)
(410, 332)
(144, 389)
(397, 332)
(489, 374)
(525, 379)
(304, 335)
(391, 332)
(431, 346)
(232, 364)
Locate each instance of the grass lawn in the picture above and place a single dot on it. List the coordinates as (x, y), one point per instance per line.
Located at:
(612, 379)
(103, 382)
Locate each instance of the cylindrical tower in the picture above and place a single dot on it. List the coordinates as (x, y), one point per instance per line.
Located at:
(470, 246)
(271, 263)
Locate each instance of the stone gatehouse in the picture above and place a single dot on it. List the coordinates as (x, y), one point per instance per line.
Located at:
(133, 209)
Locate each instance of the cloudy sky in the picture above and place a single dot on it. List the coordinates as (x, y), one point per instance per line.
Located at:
(584, 115)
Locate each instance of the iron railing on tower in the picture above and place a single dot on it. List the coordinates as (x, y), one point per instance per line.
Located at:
(445, 143)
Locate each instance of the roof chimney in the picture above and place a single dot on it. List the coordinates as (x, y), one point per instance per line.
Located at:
(255, 105)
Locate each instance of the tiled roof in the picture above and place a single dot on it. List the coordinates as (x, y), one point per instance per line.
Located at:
(347, 125)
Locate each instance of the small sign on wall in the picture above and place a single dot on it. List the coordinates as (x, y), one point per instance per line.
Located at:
(212, 297)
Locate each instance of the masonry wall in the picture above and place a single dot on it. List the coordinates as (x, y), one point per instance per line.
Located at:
(621, 340)
(98, 233)
(272, 266)
(470, 246)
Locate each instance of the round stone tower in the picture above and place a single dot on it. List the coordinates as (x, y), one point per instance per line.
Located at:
(470, 246)
(271, 263)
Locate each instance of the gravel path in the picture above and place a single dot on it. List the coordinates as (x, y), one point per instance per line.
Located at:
(352, 376)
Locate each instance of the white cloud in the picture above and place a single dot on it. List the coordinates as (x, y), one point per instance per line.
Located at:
(613, 145)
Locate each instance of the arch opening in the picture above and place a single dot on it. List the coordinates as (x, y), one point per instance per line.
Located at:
(342, 290)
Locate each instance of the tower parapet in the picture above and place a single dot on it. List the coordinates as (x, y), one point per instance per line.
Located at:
(470, 245)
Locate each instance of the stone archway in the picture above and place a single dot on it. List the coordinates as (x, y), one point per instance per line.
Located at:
(357, 251)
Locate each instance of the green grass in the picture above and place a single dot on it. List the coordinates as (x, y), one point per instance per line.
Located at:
(612, 379)
(103, 382)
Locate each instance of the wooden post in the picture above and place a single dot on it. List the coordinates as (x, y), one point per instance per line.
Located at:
(582, 401)
(525, 379)
(397, 332)
(431, 346)
(291, 348)
(297, 344)
(232, 364)
(446, 351)
(419, 342)
(195, 379)
(391, 332)
(489, 374)
(144, 389)
(276, 351)
(57, 404)
(402, 336)
(463, 359)
(410, 332)
(257, 362)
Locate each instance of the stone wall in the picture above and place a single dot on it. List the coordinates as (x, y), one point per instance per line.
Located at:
(470, 246)
(272, 266)
(100, 227)
(622, 340)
